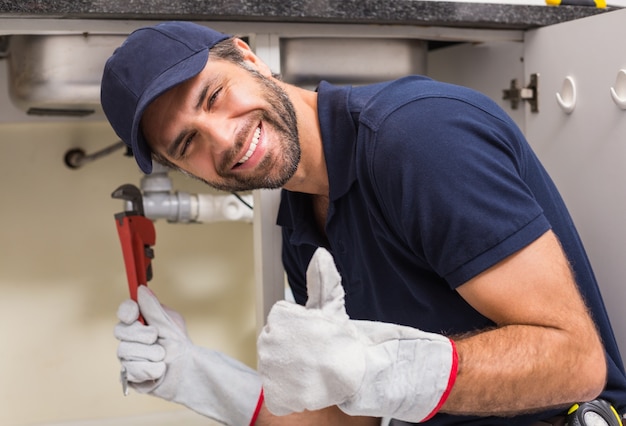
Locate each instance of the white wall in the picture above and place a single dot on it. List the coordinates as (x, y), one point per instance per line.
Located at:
(62, 276)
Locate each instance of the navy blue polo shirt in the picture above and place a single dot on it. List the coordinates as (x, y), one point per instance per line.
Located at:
(430, 184)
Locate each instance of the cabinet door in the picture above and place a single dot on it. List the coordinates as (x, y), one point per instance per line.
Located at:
(585, 150)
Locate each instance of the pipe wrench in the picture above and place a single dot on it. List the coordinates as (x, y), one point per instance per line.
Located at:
(137, 236)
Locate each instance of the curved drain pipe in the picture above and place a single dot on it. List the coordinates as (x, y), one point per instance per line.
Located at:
(159, 202)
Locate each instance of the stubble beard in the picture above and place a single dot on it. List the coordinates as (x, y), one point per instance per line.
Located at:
(273, 171)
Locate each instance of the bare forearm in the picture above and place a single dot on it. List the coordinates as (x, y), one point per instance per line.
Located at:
(517, 369)
(330, 416)
(545, 352)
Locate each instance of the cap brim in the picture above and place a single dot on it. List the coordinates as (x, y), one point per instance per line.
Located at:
(182, 71)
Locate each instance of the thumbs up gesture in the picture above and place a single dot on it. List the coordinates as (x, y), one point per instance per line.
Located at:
(315, 356)
(310, 357)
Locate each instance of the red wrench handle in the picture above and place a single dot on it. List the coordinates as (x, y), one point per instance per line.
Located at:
(137, 236)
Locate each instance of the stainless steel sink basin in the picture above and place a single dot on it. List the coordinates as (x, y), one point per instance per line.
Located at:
(58, 74)
(61, 74)
(307, 60)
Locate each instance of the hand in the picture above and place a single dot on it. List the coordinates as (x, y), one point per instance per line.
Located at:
(315, 356)
(310, 358)
(161, 360)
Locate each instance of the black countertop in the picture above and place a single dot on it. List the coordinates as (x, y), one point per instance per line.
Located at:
(394, 12)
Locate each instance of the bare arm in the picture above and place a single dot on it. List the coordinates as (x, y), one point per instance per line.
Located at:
(543, 334)
(331, 416)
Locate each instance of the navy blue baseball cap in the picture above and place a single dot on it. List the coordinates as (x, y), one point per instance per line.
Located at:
(149, 62)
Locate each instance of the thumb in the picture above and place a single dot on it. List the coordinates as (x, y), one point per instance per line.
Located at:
(323, 284)
(153, 312)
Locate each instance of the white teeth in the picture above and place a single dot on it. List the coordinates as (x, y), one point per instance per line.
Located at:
(255, 141)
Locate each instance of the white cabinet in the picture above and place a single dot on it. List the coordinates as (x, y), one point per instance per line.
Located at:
(580, 140)
(585, 150)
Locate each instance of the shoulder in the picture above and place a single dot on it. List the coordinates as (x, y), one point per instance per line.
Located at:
(419, 117)
(419, 94)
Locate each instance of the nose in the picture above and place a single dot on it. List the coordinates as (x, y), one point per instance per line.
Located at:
(217, 132)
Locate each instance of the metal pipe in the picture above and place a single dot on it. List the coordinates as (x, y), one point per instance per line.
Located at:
(76, 157)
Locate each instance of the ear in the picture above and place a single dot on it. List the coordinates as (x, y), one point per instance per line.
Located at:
(253, 60)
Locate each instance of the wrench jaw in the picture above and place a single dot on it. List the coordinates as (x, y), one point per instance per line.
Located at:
(132, 194)
(124, 380)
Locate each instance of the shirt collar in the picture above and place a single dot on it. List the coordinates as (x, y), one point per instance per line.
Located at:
(338, 137)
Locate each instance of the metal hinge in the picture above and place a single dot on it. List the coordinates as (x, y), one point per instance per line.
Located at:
(515, 94)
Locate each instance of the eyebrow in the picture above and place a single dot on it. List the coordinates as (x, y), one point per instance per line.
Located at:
(173, 147)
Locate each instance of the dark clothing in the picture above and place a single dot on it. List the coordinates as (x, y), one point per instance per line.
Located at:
(430, 184)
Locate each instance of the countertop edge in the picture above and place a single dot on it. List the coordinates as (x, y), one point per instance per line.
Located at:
(418, 13)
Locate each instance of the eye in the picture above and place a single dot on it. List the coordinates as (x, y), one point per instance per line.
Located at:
(186, 144)
(214, 97)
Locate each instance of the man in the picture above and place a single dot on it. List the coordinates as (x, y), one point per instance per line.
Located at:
(468, 295)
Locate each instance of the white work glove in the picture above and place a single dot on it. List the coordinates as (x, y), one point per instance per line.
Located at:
(161, 360)
(315, 356)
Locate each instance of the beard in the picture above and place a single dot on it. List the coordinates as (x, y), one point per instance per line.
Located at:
(274, 171)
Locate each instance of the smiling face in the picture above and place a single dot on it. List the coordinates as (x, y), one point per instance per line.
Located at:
(231, 126)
